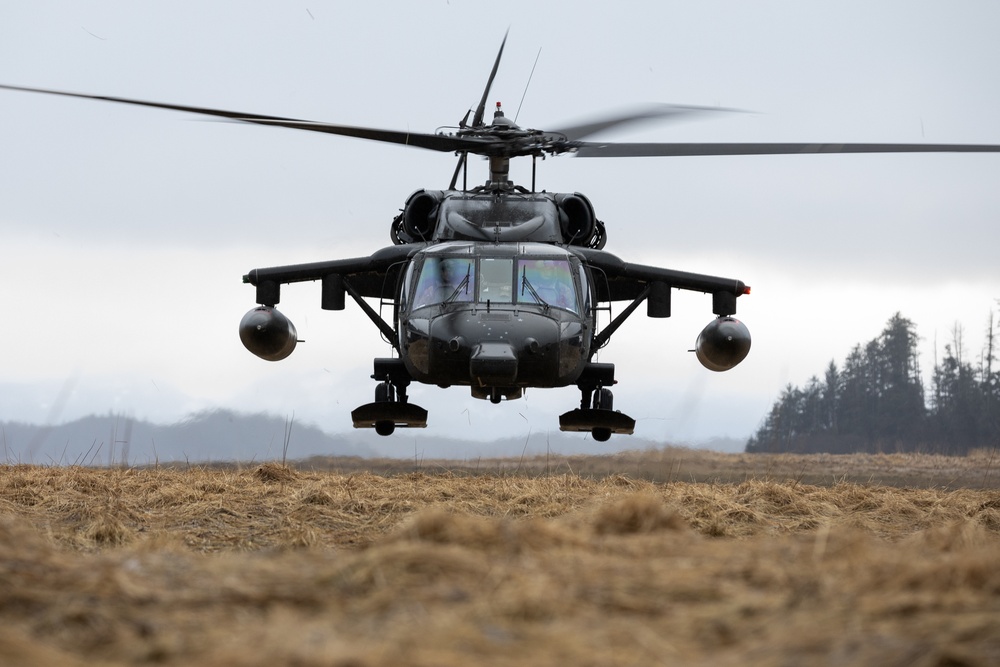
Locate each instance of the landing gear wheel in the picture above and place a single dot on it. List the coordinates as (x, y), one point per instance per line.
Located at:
(384, 393)
(601, 434)
(596, 414)
(390, 409)
(603, 400)
(385, 427)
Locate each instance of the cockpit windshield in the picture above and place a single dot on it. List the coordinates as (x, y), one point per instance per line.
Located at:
(546, 281)
(445, 279)
(497, 280)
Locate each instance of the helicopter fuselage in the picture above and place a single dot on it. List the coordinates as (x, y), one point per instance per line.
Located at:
(497, 317)
(496, 289)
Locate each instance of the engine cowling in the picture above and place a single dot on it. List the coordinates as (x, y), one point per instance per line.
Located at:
(420, 215)
(576, 219)
(722, 344)
(267, 333)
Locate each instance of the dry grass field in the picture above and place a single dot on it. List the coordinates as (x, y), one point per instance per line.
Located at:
(647, 558)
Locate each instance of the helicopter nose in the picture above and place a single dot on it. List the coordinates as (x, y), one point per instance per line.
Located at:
(493, 364)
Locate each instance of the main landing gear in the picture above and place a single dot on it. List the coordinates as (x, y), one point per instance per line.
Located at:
(391, 408)
(596, 412)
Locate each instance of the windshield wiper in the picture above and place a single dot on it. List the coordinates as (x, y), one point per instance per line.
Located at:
(464, 284)
(525, 283)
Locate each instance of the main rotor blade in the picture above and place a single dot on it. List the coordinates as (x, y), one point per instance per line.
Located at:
(594, 149)
(436, 142)
(159, 105)
(651, 112)
(481, 109)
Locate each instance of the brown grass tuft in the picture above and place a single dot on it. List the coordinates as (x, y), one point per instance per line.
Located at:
(274, 472)
(107, 530)
(639, 513)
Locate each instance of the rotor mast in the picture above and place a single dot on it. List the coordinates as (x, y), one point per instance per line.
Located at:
(500, 163)
(500, 172)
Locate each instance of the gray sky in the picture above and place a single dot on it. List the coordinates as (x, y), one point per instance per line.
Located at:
(126, 231)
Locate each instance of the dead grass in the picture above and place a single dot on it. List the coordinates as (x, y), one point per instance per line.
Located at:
(279, 564)
(981, 469)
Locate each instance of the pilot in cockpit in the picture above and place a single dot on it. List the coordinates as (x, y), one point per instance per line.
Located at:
(552, 282)
(445, 279)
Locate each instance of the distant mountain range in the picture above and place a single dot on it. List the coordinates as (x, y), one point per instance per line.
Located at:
(219, 435)
(224, 435)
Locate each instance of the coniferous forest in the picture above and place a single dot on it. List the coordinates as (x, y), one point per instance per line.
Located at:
(876, 400)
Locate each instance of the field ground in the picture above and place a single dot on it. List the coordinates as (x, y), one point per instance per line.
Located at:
(721, 560)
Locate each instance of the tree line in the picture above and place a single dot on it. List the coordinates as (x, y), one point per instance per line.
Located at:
(876, 401)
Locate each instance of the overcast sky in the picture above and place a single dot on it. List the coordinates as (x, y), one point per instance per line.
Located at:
(125, 231)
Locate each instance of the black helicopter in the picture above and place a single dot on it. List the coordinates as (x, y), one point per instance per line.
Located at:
(498, 287)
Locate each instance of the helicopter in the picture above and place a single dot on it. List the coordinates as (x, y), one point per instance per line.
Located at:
(498, 286)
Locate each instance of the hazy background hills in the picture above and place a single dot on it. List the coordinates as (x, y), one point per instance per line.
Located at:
(223, 435)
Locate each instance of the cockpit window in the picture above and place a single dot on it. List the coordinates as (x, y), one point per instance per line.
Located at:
(496, 284)
(548, 281)
(445, 279)
(496, 280)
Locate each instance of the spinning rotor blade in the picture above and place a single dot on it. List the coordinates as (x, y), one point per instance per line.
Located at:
(565, 140)
(435, 142)
(159, 105)
(594, 149)
(651, 112)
